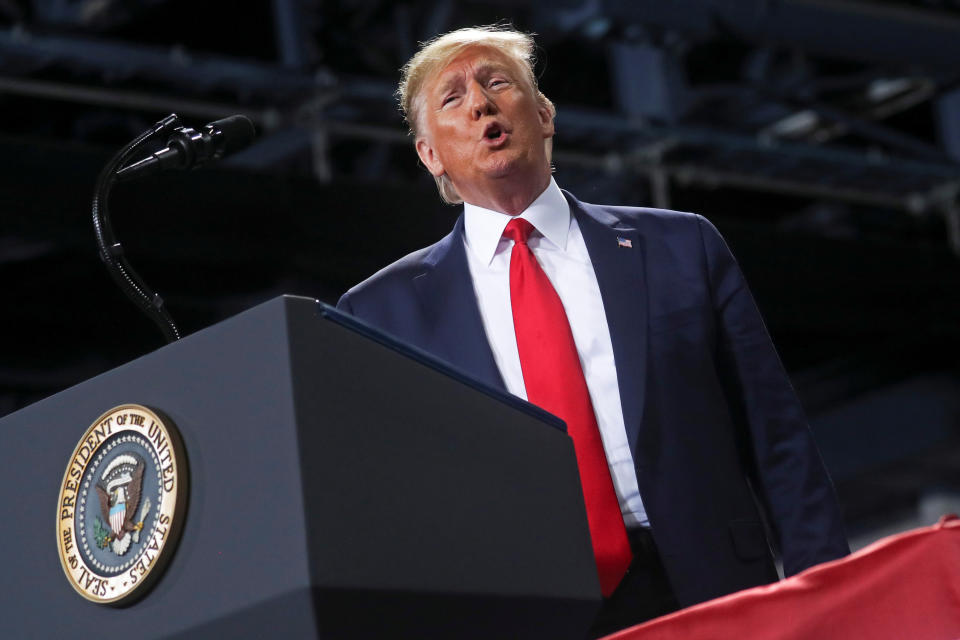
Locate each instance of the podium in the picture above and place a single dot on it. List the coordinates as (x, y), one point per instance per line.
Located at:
(341, 485)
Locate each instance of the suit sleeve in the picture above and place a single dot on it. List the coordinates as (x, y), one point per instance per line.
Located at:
(343, 304)
(793, 483)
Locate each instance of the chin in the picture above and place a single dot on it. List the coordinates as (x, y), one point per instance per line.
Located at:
(504, 168)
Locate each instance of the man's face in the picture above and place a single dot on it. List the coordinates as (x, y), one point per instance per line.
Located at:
(480, 122)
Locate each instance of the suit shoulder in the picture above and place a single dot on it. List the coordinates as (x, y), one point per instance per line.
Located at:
(391, 279)
(643, 218)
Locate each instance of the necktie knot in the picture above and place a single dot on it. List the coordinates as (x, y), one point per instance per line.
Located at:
(518, 230)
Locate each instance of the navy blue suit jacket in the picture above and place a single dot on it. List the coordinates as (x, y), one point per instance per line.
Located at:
(720, 442)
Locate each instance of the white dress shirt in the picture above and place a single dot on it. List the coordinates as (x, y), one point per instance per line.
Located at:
(559, 248)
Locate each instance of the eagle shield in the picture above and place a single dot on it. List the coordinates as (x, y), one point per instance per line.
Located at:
(119, 491)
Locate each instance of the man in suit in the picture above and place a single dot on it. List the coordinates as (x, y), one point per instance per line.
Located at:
(642, 316)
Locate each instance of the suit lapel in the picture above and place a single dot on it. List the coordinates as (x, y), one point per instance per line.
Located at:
(622, 278)
(446, 294)
(456, 331)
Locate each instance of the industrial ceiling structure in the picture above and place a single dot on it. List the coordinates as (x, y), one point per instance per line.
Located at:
(821, 136)
(852, 101)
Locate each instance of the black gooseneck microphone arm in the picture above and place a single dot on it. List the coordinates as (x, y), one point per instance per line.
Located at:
(111, 252)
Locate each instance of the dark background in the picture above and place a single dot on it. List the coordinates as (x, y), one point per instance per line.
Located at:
(821, 137)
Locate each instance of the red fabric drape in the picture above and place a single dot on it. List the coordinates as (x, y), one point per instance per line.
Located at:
(902, 587)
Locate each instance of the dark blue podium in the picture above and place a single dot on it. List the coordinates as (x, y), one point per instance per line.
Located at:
(342, 485)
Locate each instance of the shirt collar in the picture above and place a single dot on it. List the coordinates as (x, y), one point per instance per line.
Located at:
(549, 214)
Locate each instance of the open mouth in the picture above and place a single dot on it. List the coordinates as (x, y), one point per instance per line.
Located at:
(493, 132)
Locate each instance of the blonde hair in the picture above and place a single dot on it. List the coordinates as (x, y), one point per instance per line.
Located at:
(437, 53)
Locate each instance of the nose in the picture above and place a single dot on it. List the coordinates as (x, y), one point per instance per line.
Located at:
(481, 104)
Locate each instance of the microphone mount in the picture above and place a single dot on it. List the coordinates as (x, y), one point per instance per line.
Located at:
(186, 148)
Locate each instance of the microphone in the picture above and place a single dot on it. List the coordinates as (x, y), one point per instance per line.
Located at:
(187, 148)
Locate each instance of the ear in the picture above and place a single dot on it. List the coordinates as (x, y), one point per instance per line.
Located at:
(546, 120)
(429, 157)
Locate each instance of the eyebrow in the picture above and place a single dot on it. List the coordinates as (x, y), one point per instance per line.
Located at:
(491, 67)
(484, 69)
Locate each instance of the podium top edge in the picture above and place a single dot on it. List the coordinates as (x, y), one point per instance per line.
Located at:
(408, 350)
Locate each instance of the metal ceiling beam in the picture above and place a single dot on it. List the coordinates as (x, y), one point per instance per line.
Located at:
(171, 66)
(648, 81)
(948, 122)
(138, 100)
(343, 103)
(290, 32)
(571, 120)
(845, 29)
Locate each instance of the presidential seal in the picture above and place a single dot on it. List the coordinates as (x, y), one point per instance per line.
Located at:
(121, 504)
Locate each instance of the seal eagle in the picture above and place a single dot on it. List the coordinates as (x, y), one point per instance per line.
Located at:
(119, 492)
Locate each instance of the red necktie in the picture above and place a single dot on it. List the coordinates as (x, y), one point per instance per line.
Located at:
(554, 381)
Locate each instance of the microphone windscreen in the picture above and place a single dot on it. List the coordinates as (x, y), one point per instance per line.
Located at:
(238, 132)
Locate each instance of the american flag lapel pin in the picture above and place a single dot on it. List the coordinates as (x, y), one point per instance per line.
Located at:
(627, 243)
